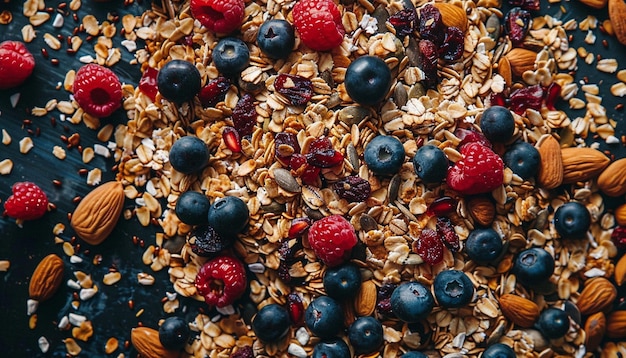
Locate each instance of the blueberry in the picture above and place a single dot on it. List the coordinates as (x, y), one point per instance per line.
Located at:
(411, 301)
(342, 282)
(228, 216)
(331, 348)
(497, 124)
(324, 317)
(572, 220)
(483, 245)
(189, 154)
(533, 266)
(231, 56)
(365, 335)
(523, 159)
(174, 333)
(499, 350)
(453, 289)
(192, 208)
(179, 81)
(271, 323)
(276, 38)
(553, 323)
(414, 354)
(430, 164)
(368, 80)
(384, 155)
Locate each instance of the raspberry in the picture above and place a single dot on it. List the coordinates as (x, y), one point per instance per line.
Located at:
(221, 281)
(480, 171)
(319, 24)
(97, 90)
(221, 16)
(16, 64)
(332, 238)
(28, 202)
(429, 246)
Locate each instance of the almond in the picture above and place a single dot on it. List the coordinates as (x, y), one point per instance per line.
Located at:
(620, 271)
(97, 214)
(595, 328)
(452, 15)
(598, 294)
(620, 215)
(617, 14)
(612, 180)
(482, 210)
(146, 342)
(550, 174)
(616, 324)
(596, 4)
(521, 60)
(504, 69)
(46, 278)
(582, 164)
(521, 311)
(365, 302)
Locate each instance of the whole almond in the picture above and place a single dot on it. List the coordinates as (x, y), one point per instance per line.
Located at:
(620, 271)
(504, 69)
(596, 4)
(452, 15)
(521, 60)
(598, 294)
(612, 180)
(46, 278)
(616, 324)
(146, 342)
(582, 164)
(482, 210)
(617, 14)
(620, 215)
(595, 328)
(550, 174)
(521, 311)
(97, 214)
(365, 301)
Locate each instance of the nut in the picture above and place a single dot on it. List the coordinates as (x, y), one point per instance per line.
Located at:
(595, 327)
(98, 212)
(616, 324)
(582, 164)
(612, 181)
(482, 210)
(521, 311)
(596, 4)
(452, 15)
(620, 271)
(146, 341)
(617, 14)
(521, 60)
(550, 173)
(47, 278)
(504, 69)
(620, 215)
(365, 302)
(598, 294)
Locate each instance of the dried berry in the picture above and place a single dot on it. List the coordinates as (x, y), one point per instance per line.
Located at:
(353, 189)
(517, 24)
(148, 83)
(302, 169)
(208, 242)
(243, 352)
(428, 58)
(285, 144)
(446, 232)
(470, 136)
(214, 92)
(297, 89)
(618, 236)
(403, 21)
(244, 115)
(530, 5)
(526, 98)
(429, 247)
(431, 25)
(553, 93)
(283, 272)
(452, 48)
(322, 155)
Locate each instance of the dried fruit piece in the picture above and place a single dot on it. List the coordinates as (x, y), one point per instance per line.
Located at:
(403, 21)
(244, 115)
(446, 232)
(297, 89)
(353, 188)
(97, 214)
(429, 246)
(431, 25)
(517, 24)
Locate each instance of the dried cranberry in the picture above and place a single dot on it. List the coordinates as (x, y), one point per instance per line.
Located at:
(431, 25)
(429, 247)
(305, 171)
(403, 21)
(214, 92)
(470, 136)
(353, 188)
(244, 115)
(445, 230)
(296, 308)
(517, 24)
(530, 5)
(442, 206)
(428, 58)
(618, 236)
(385, 291)
(287, 250)
(525, 98)
(320, 144)
(384, 307)
(285, 144)
(298, 227)
(208, 242)
(283, 272)
(325, 159)
(297, 89)
(231, 139)
(243, 352)
(553, 93)
(498, 99)
(452, 48)
(148, 83)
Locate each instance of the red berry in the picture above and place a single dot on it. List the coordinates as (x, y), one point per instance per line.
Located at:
(148, 83)
(480, 171)
(469, 136)
(429, 247)
(244, 115)
(296, 308)
(16, 64)
(446, 232)
(221, 281)
(618, 236)
(221, 16)
(97, 90)
(231, 139)
(28, 202)
(243, 352)
(442, 206)
(526, 97)
(298, 227)
(332, 239)
(319, 24)
(297, 89)
(214, 92)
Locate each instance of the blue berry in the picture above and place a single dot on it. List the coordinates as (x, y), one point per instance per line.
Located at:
(553, 323)
(367, 80)
(331, 348)
(342, 282)
(179, 81)
(189, 154)
(365, 335)
(453, 289)
(384, 155)
(414, 354)
(411, 301)
(483, 245)
(523, 159)
(271, 323)
(174, 333)
(497, 124)
(431, 164)
(231, 56)
(192, 208)
(572, 220)
(276, 38)
(324, 317)
(228, 216)
(533, 266)
(499, 350)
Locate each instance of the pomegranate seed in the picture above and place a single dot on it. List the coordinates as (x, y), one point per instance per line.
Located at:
(296, 308)
(148, 83)
(298, 227)
(553, 93)
(231, 139)
(442, 206)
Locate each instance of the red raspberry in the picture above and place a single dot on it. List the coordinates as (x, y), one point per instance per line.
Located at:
(332, 238)
(16, 64)
(221, 281)
(28, 202)
(221, 16)
(97, 90)
(480, 171)
(429, 246)
(319, 24)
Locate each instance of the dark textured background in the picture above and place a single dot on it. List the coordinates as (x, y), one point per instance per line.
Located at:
(24, 247)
